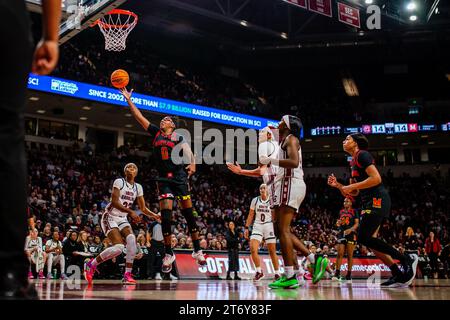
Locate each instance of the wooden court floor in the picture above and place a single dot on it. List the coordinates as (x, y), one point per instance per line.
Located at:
(238, 290)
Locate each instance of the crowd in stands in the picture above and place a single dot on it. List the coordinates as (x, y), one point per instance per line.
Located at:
(69, 189)
(154, 76)
(245, 92)
(158, 76)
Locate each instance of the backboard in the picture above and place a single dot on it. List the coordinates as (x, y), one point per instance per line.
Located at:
(77, 15)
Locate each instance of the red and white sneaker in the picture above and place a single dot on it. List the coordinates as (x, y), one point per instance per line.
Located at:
(258, 276)
(41, 275)
(167, 263)
(89, 271)
(128, 278)
(200, 257)
(307, 276)
(30, 275)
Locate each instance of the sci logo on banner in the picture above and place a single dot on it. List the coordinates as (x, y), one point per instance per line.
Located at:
(32, 81)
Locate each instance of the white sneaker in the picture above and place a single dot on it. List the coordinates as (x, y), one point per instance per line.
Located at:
(200, 257)
(301, 279)
(158, 276)
(167, 263)
(172, 277)
(415, 261)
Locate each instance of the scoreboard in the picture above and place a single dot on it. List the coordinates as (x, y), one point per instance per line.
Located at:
(381, 128)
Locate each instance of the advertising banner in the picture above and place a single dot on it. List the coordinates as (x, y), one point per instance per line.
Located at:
(92, 92)
(217, 266)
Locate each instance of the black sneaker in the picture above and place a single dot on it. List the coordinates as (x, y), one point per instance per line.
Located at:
(348, 277)
(393, 282)
(410, 269)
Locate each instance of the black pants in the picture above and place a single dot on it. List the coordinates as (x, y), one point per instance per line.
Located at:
(373, 211)
(141, 267)
(156, 255)
(433, 261)
(233, 260)
(15, 62)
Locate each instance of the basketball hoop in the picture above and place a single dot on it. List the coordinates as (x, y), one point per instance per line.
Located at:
(115, 26)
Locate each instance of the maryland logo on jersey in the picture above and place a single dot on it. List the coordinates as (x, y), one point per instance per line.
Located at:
(377, 203)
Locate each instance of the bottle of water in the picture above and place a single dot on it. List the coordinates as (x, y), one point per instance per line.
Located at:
(55, 273)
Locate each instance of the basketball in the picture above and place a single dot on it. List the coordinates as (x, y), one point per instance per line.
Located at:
(120, 78)
(267, 148)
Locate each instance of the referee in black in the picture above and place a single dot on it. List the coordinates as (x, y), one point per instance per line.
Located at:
(16, 61)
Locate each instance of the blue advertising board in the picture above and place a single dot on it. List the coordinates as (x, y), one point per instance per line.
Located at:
(107, 95)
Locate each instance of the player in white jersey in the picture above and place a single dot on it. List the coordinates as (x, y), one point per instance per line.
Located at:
(260, 216)
(35, 253)
(288, 193)
(53, 248)
(115, 224)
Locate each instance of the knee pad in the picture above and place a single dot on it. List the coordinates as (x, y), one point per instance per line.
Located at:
(166, 217)
(190, 219)
(112, 252)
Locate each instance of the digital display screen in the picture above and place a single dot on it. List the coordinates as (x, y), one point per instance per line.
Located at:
(445, 126)
(378, 128)
(390, 128)
(413, 127)
(428, 127)
(401, 127)
(352, 130)
(326, 131)
(112, 96)
(367, 129)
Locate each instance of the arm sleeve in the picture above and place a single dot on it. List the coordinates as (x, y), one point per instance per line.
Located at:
(365, 159)
(253, 204)
(152, 129)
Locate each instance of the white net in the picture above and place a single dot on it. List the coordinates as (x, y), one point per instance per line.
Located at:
(115, 26)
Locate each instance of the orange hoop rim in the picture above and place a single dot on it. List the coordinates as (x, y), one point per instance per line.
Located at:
(117, 26)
